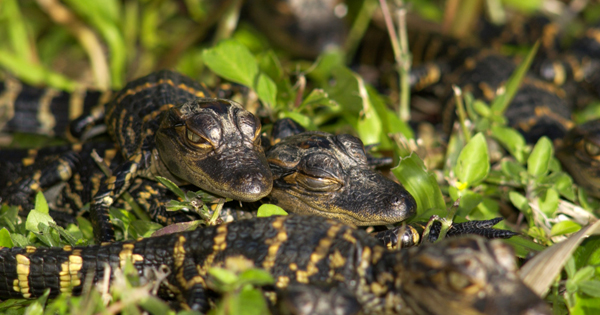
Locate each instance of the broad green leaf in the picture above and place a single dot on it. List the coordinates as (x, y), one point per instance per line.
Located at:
(171, 186)
(40, 203)
(302, 119)
(258, 277)
(86, 227)
(266, 90)
(583, 274)
(487, 209)
(34, 218)
(468, 201)
(423, 186)
(473, 163)
(539, 159)
(548, 202)
(267, 210)
(584, 305)
(271, 66)
(5, 240)
(233, 61)
(519, 201)
(482, 108)
(250, 301)
(590, 287)
(223, 276)
(502, 101)
(345, 91)
(564, 185)
(20, 240)
(324, 66)
(564, 227)
(512, 140)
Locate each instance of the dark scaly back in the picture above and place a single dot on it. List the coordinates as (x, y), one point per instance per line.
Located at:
(133, 116)
(456, 276)
(43, 110)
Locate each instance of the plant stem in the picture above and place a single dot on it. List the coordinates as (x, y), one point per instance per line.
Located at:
(460, 109)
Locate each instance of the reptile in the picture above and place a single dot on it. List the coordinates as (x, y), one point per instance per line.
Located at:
(380, 200)
(167, 124)
(456, 276)
(579, 153)
(46, 111)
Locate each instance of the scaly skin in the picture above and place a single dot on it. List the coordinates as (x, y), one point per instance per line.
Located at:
(456, 276)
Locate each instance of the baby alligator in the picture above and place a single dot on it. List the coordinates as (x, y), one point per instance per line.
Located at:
(456, 276)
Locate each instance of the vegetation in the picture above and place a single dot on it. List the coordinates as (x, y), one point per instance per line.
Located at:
(486, 165)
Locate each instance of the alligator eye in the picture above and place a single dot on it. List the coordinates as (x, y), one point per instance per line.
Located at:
(195, 138)
(592, 149)
(317, 183)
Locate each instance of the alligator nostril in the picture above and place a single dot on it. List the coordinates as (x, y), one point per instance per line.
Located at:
(396, 201)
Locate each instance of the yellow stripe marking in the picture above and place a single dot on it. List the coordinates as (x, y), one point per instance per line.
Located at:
(127, 253)
(275, 242)
(23, 264)
(69, 271)
(44, 115)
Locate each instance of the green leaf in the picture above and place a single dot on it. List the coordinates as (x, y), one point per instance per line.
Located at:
(302, 119)
(512, 140)
(249, 302)
(154, 305)
(468, 201)
(267, 210)
(35, 218)
(316, 98)
(548, 202)
(5, 240)
(524, 246)
(584, 274)
(423, 186)
(86, 227)
(223, 276)
(590, 287)
(473, 163)
(171, 186)
(564, 227)
(66, 235)
(40, 203)
(266, 90)
(255, 276)
(519, 201)
(232, 61)
(539, 159)
(564, 185)
(482, 108)
(502, 101)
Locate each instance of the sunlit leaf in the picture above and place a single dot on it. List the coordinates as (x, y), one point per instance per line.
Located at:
(232, 61)
(564, 227)
(423, 186)
(267, 210)
(539, 159)
(40, 203)
(473, 163)
(5, 240)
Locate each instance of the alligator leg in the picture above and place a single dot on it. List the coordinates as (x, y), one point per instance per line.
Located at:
(110, 190)
(407, 236)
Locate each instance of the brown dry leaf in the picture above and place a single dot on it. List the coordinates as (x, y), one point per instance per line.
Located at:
(540, 272)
